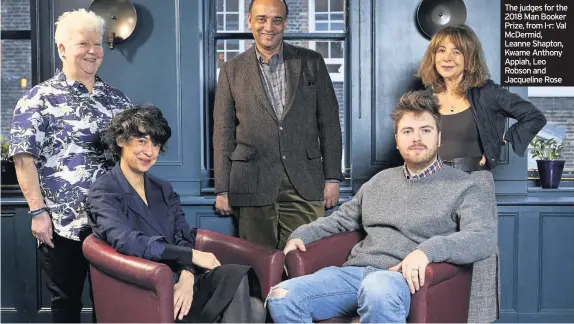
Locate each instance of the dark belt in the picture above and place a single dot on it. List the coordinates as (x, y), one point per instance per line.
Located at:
(466, 164)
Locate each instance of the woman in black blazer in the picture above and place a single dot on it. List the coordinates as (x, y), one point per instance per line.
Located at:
(140, 215)
(473, 108)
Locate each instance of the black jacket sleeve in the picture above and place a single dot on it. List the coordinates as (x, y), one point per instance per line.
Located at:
(529, 119)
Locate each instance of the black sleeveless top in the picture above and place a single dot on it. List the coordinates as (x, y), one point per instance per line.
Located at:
(459, 136)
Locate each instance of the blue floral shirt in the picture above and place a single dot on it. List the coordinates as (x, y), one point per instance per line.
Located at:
(59, 122)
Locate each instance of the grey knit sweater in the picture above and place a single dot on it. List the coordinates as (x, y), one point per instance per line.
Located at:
(449, 215)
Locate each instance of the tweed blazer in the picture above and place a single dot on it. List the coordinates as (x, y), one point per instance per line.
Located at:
(252, 146)
(484, 305)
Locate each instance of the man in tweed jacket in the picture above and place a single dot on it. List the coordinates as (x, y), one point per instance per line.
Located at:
(277, 136)
(413, 215)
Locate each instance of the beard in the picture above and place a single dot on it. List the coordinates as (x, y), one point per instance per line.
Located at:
(419, 159)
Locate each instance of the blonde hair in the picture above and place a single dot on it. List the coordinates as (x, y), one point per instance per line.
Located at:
(80, 20)
(475, 70)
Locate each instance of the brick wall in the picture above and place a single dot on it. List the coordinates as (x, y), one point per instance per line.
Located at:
(560, 111)
(16, 59)
(298, 20)
(15, 14)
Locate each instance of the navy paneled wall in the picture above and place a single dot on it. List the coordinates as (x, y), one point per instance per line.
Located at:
(536, 261)
(161, 63)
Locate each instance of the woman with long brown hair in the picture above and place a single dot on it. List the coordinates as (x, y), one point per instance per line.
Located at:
(473, 107)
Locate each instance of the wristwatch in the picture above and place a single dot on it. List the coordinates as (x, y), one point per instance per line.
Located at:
(37, 212)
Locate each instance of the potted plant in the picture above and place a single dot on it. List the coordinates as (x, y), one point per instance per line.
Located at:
(546, 152)
(8, 169)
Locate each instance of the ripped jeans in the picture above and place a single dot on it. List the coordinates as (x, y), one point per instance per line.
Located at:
(377, 295)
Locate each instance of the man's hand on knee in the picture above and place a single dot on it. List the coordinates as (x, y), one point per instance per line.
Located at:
(413, 268)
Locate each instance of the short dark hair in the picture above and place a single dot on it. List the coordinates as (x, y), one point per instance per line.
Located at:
(417, 102)
(284, 2)
(139, 121)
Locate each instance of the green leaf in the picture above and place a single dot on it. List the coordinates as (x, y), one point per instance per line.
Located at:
(545, 149)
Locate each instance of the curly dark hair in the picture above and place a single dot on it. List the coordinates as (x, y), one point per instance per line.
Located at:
(139, 121)
(416, 102)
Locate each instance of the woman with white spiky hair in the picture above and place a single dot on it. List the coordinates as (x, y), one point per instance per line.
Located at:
(56, 147)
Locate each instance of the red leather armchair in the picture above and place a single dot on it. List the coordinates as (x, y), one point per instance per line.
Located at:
(131, 289)
(444, 297)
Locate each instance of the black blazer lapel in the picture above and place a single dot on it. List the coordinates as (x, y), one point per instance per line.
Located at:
(292, 74)
(134, 201)
(254, 78)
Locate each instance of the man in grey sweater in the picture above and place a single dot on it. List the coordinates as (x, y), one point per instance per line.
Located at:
(413, 215)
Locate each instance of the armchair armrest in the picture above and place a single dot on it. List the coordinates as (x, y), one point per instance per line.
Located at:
(122, 284)
(145, 273)
(439, 272)
(321, 254)
(444, 296)
(267, 263)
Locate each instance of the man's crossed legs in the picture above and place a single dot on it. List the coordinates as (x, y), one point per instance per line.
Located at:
(377, 295)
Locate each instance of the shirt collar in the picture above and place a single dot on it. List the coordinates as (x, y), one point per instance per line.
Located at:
(433, 168)
(273, 60)
(60, 76)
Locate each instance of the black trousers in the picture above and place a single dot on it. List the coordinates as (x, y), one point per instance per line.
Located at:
(229, 293)
(65, 269)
